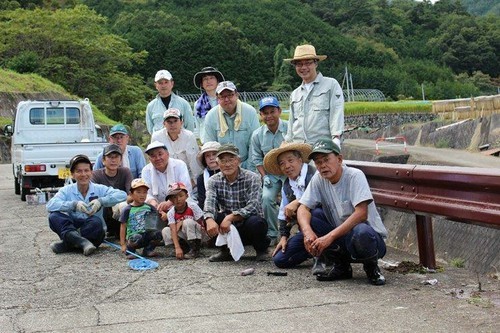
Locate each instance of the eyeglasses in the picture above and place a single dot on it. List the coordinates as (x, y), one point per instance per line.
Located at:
(305, 63)
(228, 96)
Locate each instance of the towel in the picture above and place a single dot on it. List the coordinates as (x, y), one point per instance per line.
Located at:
(160, 181)
(233, 241)
(222, 120)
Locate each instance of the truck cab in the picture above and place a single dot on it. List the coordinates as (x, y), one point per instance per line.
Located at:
(45, 135)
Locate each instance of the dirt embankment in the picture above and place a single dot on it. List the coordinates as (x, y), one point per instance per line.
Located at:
(9, 101)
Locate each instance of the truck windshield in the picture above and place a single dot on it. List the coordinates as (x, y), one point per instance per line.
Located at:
(54, 116)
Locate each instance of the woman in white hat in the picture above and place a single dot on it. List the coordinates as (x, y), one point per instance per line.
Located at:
(317, 105)
(207, 158)
(206, 80)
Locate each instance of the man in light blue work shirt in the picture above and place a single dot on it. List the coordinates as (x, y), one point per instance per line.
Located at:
(132, 156)
(232, 121)
(265, 138)
(317, 105)
(166, 99)
(75, 212)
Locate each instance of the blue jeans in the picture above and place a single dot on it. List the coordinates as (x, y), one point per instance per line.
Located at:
(359, 244)
(252, 230)
(91, 228)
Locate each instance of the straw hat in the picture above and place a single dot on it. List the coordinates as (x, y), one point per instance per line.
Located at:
(207, 146)
(304, 52)
(271, 158)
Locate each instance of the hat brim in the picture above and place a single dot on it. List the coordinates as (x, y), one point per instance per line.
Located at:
(174, 192)
(201, 156)
(306, 57)
(199, 76)
(271, 159)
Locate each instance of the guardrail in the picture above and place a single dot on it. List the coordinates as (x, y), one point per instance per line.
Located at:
(467, 195)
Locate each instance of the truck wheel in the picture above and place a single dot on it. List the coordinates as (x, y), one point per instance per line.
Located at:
(17, 187)
(24, 192)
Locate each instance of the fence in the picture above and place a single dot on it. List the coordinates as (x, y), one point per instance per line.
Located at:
(467, 195)
(365, 95)
(464, 108)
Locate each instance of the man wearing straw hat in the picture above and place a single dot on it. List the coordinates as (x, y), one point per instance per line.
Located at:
(317, 105)
(290, 160)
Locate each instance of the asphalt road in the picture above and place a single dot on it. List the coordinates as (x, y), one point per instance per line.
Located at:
(44, 292)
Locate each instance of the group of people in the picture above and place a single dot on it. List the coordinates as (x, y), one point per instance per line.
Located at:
(281, 184)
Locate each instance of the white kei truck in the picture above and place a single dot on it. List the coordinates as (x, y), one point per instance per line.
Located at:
(45, 136)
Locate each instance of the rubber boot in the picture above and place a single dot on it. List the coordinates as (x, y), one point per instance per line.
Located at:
(341, 269)
(195, 245)
(75, 239)
(319, 266)
(223, 255)
(59, 247)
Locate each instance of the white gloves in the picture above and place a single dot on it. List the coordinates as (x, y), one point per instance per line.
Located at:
(82, 207)
(337, 141)
(94, 206)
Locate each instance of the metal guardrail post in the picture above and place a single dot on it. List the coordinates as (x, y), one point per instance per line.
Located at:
(425, 237)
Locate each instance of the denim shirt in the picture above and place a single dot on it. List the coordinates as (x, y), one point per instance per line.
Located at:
(317, 113)
(241, 137)
(67, 197)
(263, 140)
(156, 108)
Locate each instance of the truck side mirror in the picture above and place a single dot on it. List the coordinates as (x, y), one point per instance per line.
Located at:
(8, 130)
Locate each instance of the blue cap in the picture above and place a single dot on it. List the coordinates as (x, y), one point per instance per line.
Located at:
(268, 101)
(118, 128)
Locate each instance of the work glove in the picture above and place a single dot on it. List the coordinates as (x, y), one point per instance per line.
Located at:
(337, 141)
(267, 182)
(94, 206)
(81, 207)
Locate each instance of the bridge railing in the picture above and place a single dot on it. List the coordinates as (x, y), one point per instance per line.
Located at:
(468, 195)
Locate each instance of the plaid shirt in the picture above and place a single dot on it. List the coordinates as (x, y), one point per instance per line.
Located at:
(241, 197)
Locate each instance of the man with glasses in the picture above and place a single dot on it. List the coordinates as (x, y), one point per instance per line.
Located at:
(317, 105)
(232, 121)
(233, 198)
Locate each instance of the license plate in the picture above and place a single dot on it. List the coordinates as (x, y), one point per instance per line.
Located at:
(63, 173)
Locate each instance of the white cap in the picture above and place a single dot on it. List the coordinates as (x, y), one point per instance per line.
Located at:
(163, 74)
(154, 145)
(225, 85)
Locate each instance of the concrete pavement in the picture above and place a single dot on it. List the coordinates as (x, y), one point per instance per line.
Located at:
(44, 292)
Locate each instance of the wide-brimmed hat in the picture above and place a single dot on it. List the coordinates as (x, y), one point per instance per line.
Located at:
(198, 77)
(304, 52)
(271, 158)
(207, 146)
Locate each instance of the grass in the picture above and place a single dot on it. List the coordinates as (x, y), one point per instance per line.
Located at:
(13, 82)
(457, 262)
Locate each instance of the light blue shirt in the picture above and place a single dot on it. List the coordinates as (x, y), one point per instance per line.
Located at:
(135, 157)
(263, 140)
(317, 113)
(67, 197)
(156, 109)
(241, 137)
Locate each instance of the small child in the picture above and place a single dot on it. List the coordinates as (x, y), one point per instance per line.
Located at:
(185, 220)
(133, 232)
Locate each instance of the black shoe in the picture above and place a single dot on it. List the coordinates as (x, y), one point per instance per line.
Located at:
(373, 273)
(338, 272)
(59, 247)
(319, 267)
(74, 238)
(223, 255)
